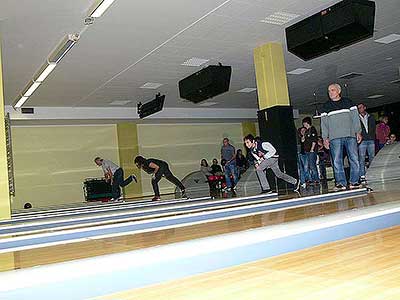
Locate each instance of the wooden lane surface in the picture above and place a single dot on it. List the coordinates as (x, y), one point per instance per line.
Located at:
(66, 252)
(358, 268)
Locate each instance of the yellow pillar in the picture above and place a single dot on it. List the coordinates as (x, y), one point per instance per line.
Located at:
(249, 128)
(5, 208)
(272, 87)
(128, 148)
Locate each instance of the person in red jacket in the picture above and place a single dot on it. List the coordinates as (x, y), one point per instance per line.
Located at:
(382, 132)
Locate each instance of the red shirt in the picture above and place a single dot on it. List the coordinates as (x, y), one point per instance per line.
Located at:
(382, 132)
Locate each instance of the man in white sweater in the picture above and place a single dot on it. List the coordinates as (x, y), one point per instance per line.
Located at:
(264, 156)
(114, 174)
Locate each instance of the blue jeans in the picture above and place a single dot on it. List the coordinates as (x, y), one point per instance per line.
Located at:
(230, 169)
(336, 146)
(303, 168)
(312, 165)
(322, 168)
(363, 148)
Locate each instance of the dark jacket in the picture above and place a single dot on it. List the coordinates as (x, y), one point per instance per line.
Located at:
(370, 136)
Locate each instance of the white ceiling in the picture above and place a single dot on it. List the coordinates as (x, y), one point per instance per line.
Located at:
(115, 56)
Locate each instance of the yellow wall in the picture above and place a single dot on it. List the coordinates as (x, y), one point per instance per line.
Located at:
(128, 148)
(183, 146)
(51, 162)
(5, 211)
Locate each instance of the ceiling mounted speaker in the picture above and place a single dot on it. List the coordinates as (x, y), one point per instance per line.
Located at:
(336, 27)
(206, 83)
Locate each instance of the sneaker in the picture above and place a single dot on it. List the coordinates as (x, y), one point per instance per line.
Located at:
(134, 178)
(303, 185)
(363, 179)
(269, 191)
(183, 195)
(339, 187)
(111, 200)
(355, 186)
(120, 199)
(296, 186)
(156, 198)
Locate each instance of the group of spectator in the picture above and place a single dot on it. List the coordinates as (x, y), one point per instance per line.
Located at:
(233, 165)
(348, 132)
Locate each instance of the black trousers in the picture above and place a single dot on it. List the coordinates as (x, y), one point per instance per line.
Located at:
(118, 181)
(166, 172)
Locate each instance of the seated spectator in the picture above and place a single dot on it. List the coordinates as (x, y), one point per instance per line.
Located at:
(241, 162)
(382, 132)
(216, 168)
(392, 139)
(205, 168)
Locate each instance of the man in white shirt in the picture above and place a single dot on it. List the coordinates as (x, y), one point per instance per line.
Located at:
(367, 145)
(264, 156)
(114, 174)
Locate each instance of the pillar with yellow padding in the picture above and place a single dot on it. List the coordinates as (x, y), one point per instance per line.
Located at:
(5, 209)
(272, 87)
(128, 148)
(275, 115)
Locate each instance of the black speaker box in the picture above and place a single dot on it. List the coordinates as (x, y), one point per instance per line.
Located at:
(336, 27)
(206, 83)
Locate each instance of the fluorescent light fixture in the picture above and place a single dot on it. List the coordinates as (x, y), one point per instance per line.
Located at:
(375, 96)
(195, 62)
(350, 75)
(151, 85)
(20, 102)
(120, 102)
(279, 18)
(246, 90)
(101, 8)
(207, 103)
(31, 89)
(66, 44)
(389, 39)
(50, 67)
(299, 71)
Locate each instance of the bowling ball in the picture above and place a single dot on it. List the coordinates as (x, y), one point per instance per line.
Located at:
(27, 205)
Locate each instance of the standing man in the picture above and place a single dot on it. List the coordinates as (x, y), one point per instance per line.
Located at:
(228, 153)
(302, 158)
(115, 175)
(310, 148)
(368, 128)
(264, 156)
(158, 168)
(340, 126)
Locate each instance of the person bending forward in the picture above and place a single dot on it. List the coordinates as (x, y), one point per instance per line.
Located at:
(265, 157)
(158, 168)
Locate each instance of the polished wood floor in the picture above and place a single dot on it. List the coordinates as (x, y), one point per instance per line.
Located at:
(359, 268)
(67, 252)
